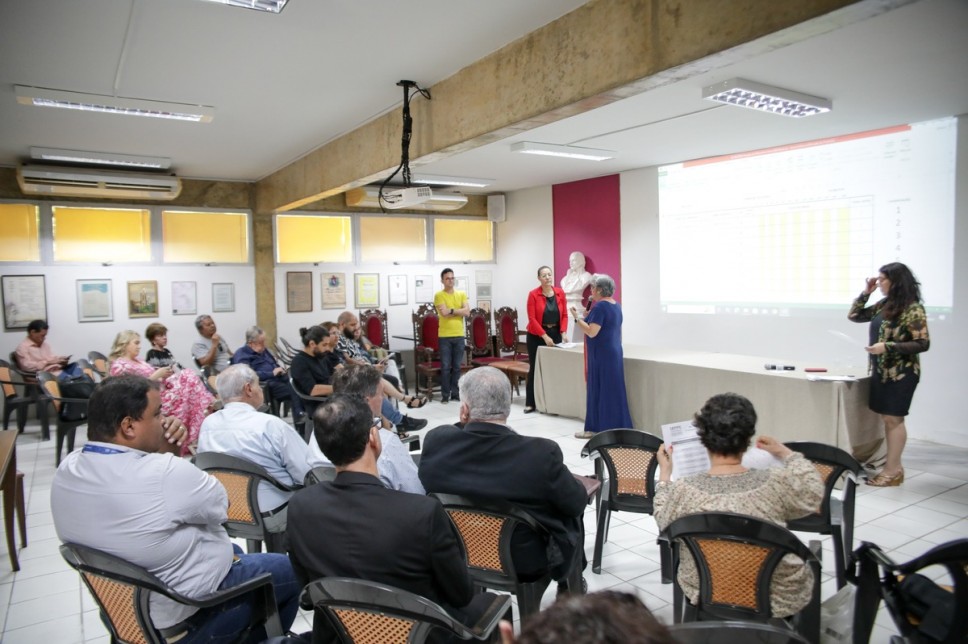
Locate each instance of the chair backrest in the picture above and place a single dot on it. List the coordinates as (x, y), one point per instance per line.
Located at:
(11, 381)
(365, 612)
(485, 527)
(50, 388)
(100, 363)
(629, 457)
(832, 464)
(319, 474)
(478, 331)
(728, 632)
(506, 320)
(736, 556)
(374, 325)
(426, 327)
(88, 369)
(241, 480)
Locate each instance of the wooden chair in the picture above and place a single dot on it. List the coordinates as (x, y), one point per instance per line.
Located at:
(479, 338)
(374, 325)
(508, 346)
(486, 527)
(100, 363)
(834, 516)
(50, 388)
(426, 348)
(625, 462)
(736, 556)
(880, 577)
(241, 479)
(122, 591)
(365, 612)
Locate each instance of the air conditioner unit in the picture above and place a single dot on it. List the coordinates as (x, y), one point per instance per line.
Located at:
(83, 182)
(409, 198)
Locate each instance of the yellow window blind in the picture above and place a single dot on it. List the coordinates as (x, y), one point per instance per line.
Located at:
(463, 240)
(399, 239)
(19, 236)
(221, 237)
(306, 239)
(101, 234)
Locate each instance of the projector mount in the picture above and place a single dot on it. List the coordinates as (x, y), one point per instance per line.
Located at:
(394, 199)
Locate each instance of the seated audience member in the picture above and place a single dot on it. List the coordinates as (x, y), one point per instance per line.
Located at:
(240, 430)
(486, 458)
(35, 354)
(606, 617)
(255, 354)
(183, 394)
(159, 355)
(210, 349)
(726, 424)
(355, 527)
(396, 467)
(123, 494)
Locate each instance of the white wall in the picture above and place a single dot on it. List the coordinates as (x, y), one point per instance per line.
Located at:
(68, 336)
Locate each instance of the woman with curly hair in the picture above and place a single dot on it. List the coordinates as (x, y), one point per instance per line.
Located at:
(898, 333)
(726, 426)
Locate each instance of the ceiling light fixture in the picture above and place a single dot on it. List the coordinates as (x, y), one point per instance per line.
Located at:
(100, 158)
(443, 180)
(567, 151)
(757, 96)
(269, 6)
(113, 105)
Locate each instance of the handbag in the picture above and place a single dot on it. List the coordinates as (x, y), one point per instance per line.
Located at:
(75, 387)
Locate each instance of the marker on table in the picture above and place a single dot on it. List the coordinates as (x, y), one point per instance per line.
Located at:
(771, 366)
(815, 370)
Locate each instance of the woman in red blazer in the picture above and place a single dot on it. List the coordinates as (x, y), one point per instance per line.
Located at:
(547, 323)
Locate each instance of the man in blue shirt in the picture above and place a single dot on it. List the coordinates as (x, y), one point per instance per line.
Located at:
(255, 354)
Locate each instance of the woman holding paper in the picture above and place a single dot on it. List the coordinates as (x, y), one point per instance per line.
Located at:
(547, 323)
(898, 333)
(726, 424)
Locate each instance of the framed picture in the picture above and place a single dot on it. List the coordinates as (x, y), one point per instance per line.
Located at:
(299, 291)
(460, 284)
(24, 299)
(367, 290)
(397, 289)
(484, 304)
(184, 298)
(143, 299)
(223, 297)
(483, 290)
(94, 301)
(333, 286)
(423, 289)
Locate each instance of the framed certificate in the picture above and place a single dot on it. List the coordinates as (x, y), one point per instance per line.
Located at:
(299, 291)
(367, 290)
(24, 299)
(94, 301)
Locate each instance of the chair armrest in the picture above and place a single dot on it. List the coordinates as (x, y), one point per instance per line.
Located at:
(219, 596)
(487, 622)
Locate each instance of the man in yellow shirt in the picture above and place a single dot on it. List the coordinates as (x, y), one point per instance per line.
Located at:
(452, 308)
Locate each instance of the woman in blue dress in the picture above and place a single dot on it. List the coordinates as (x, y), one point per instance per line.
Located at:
(606, 404)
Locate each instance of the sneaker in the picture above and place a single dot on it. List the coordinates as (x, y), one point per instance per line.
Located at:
(444, 401)
(409, 424)
(563, 589)
(455, 398)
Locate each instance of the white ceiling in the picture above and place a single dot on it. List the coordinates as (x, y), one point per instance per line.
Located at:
(285, 85)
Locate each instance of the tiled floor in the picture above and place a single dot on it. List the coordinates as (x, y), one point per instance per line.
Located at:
(45, 601)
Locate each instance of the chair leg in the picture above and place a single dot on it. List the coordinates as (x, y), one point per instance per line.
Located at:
(253, 546)
(839, 557)
(43, 411)
(808, 623)
(604, 514)
(60, 446)
(665, 560)
(529, 602)
(21, 510)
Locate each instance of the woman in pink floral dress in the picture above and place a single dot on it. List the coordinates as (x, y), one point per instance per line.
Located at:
(183, 395)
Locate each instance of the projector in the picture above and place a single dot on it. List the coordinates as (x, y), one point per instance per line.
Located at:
(406, 197)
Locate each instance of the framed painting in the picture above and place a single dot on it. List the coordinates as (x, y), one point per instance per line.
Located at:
(143, 299)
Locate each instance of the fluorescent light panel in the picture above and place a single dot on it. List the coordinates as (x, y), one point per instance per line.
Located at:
(100, 158)
(443, 180)
(270, 6)
(113, 105)
(757, 96)
(567, 151)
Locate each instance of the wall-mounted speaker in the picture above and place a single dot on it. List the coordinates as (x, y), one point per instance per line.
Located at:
(495, 208)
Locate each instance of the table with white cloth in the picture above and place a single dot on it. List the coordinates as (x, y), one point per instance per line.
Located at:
(670, 385)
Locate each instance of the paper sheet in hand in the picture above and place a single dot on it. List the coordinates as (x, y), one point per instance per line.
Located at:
(566, 345)
(688, 455)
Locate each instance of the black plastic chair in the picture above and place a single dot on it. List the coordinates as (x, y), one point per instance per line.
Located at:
(50, 388)
(367, 612)
(629, 457)
(736, 556)
(100, 363)
(485, 528)
(319, 474)
(307, 421)
(33, 392)
(122, 590)
(878, 576)
(16, 397)
(835, 516)
(241, 479)
(733, 632)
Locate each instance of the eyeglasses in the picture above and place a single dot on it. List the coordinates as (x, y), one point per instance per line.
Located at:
(378, 422)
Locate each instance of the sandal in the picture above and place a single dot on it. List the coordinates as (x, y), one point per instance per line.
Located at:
(419, 400)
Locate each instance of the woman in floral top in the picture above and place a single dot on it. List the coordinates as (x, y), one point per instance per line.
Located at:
(898, 333)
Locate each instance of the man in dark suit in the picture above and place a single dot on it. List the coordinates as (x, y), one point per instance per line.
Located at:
(486, 458)
(356, 527)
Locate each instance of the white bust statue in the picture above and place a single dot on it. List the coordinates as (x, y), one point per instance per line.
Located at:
(574, 284)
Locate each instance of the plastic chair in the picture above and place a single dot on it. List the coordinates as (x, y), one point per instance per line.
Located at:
(872, 587)
(479, 338)
(15, 396)
(426, 347)
(486, 527)
(50, 388)
(319, 474)
(732, 632)
(736, 556)
(628, 455)
(374, 324)
(32, 391)
(241, 479)
(371, 613)
(835, 516)
(307, 420)
(100, 363)
(122, 590)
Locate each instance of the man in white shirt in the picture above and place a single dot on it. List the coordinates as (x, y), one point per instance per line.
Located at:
(124, 493)
(240, 430)
(210, 349)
